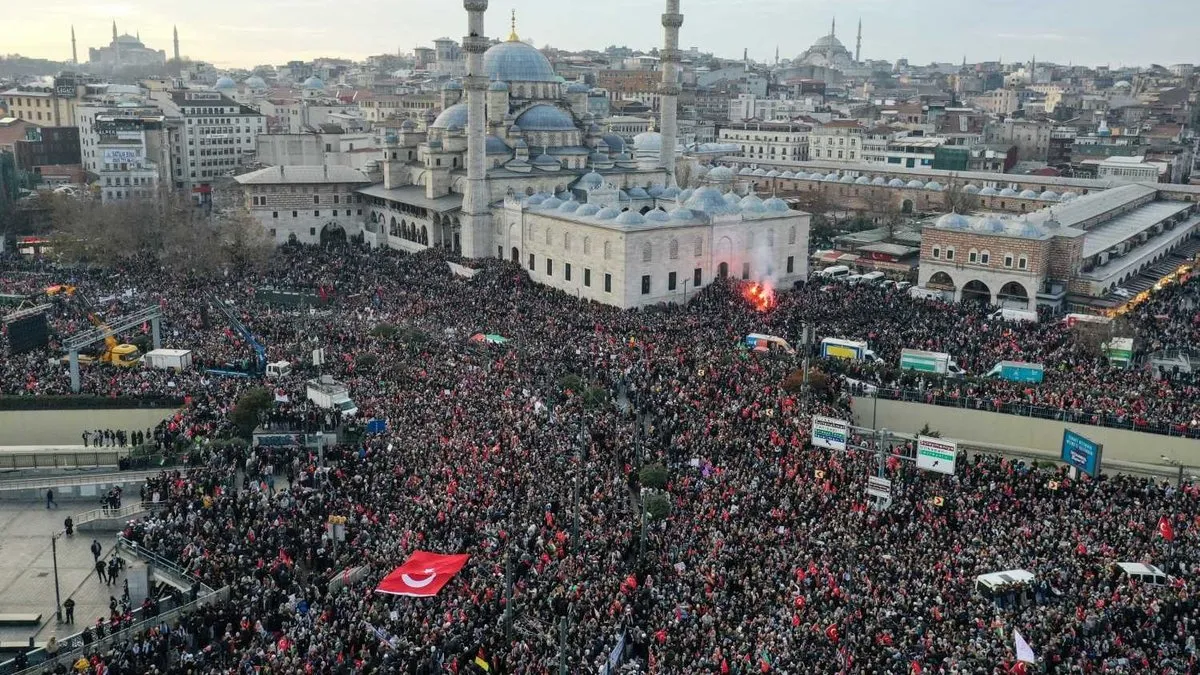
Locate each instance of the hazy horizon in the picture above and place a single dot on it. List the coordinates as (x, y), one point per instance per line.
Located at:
(244, 35)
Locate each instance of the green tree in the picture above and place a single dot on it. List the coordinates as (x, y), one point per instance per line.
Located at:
(658, 506)
(653, 476)
(245, 412)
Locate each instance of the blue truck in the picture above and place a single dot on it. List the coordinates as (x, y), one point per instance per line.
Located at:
(1018, 371)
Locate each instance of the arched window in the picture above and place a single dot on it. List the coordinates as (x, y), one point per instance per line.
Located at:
(567, 241)
(749, 241)
(549, 236)
(673, 249)
(587, 245)
(973, 256)
(792, 235)
(607, 250)
(770, 238)
(699, 247)
(647, 252)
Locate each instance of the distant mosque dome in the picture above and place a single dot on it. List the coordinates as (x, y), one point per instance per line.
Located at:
(515, 61)
(648, 141)
(591, 180)
(545, 117)
(827, 52)
(720, 174)
(452, 85)
(225, 82)
(313, 82)
(578, 88)
(255, 82)
(454, 117)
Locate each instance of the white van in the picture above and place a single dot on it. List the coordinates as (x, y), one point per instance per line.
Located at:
(1147, 574)
(873, 278)
(1014, 315)
(854, 279)
(1011, 588)
(279, 369)
(835, 272)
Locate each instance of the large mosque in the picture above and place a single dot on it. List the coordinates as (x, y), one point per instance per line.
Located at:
(515, 167)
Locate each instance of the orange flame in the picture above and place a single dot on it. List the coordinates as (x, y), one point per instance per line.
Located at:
(760, 296)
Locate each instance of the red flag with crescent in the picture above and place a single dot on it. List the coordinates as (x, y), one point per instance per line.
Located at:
(423, 574)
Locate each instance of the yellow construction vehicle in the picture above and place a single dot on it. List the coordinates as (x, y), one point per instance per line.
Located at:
(117, 354)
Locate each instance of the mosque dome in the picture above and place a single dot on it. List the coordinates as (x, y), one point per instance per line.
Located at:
(587, 210)
(570, 206)
(225, 82)
(1050, 195)
(607, 213)
(954, 221)
(255, 82)
(776, 205)
(655, 191)
(313, 82)
(827, 51)
(614, 142)
(971, 189)
(638, 193)
(552, 202)
(454, 117)
(1008, 192)
(846, 178)
(732, 198)
(686, 195)
(408, 125)
(895, 182)
(545, 117)
(752, 204)
(452, 85)
(934, 186)
(495, 146)
(830, 177)
(1024, 228)
(760, 172)
(578, 88)
(989, 225)
(631, 218)
(746, 171)
(681, 214)
(878, 180)
(915, 185)
(515, 61)
(772, 174)
(591, 181)
(1067, 196)
(1029, 194)
(787, 175)
(670, 193)
(648, 141)
(547, 163)
(497, 85)
(987, 192)
(707, 200)
(658, 216)
(535, 200)
(862, 180)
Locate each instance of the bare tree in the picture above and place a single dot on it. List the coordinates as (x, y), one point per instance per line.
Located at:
(881, 206)
(957, 200)
(683, 173)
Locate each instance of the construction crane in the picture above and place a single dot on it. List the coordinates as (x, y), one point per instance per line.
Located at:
(118, 354)
(260, 352)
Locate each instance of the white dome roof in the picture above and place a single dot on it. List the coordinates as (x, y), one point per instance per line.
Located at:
(987, 192)
(954, 221)
(516, 61)
(915, 184)
(721, 173)
(658, 216)
(313, 82)
(587, 210)
(1029, 194)
(648, 141)
(224, 82)
(1050, 195)
(971, 189)
(631, 218)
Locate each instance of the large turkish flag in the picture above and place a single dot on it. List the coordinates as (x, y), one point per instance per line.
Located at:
(423, 574)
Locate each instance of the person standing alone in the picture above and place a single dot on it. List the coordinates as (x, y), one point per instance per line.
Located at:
(50, 499)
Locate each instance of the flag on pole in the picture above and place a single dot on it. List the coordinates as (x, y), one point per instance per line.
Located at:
(1024, 651)
(1166, 529)
(423, 574)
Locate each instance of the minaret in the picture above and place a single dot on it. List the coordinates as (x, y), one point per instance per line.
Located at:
(833, 28)
(858, 44)
(114, 31)
(74, 53)
(176, 30)
(1033, 70)
(669, 89)
(476, 218)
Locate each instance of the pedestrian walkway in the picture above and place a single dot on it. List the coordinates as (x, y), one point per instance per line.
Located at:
(27, 575)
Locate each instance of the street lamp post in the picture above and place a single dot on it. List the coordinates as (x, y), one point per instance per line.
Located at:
(57, 596)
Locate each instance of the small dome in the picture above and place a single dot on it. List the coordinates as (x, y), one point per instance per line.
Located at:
(746, 171)
(846, 178)
(314, 82)
(1029, 194)
(614, 142)
(1067, 196)
(776, 205)
(896, 183)
(954, 221)
(408, 125)
(670, 193)
(987, 192)
(878, 180)
(731, 198)
(686, 195)
(971, 189)
(546, 163)
(497, 85)
(772, 174)
(862, 180)
(787, 175)
(657, 216)
(224, 82)
(622, 195)
(255, 82)
(681, 214)
(638, 193)
(1008, 192)
(495, 146)
(578, 88)
(989, 225)
(752, 204)
(587, 210)
(831, 177)
(569, 206)
(607, 213)
(545, 117)
(1050, 195)
(452, 85)
(590, 181)
(1024, 228)
(934, 186)
(454, 117)
(760, 172)
(703, 171)
(552, 202)
(648, 141)
(915, 185)
(708, 200)
(535, 200)
(655, 191)
(721, 174)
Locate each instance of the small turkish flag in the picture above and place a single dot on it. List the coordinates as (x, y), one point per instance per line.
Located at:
(1166, 529)
(423, 574)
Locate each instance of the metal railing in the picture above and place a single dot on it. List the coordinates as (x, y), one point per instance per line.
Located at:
(76, 481)
(104, 513)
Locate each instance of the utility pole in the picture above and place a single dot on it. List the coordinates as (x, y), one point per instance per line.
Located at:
(804, 362)
(562, 646)
(642, 511)
(580, 458)
(57, 595)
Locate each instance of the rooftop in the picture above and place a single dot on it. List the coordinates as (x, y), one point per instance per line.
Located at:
(302, 175)
(1117, 230)
(414, 195)
(1089, 206)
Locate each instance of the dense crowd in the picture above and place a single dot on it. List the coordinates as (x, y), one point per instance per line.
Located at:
(771, 558)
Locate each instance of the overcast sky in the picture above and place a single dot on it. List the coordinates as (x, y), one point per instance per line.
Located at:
(240, 33)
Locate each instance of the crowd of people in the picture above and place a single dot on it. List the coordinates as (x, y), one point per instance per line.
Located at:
(771, 557)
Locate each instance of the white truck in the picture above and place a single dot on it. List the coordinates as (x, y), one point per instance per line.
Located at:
(851, 350)
(1014, 315)
(936, 363)
(331, 395)
(168, 359)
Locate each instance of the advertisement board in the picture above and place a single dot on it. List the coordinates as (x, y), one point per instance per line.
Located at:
(936, 454)
(830, 433)
(1081, 453)
(120, 156)
(879, 487)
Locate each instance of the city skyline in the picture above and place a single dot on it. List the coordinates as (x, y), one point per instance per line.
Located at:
(1071, 31)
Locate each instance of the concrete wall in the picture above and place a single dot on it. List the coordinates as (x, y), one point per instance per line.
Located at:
(63, 427)
(1021, 432)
